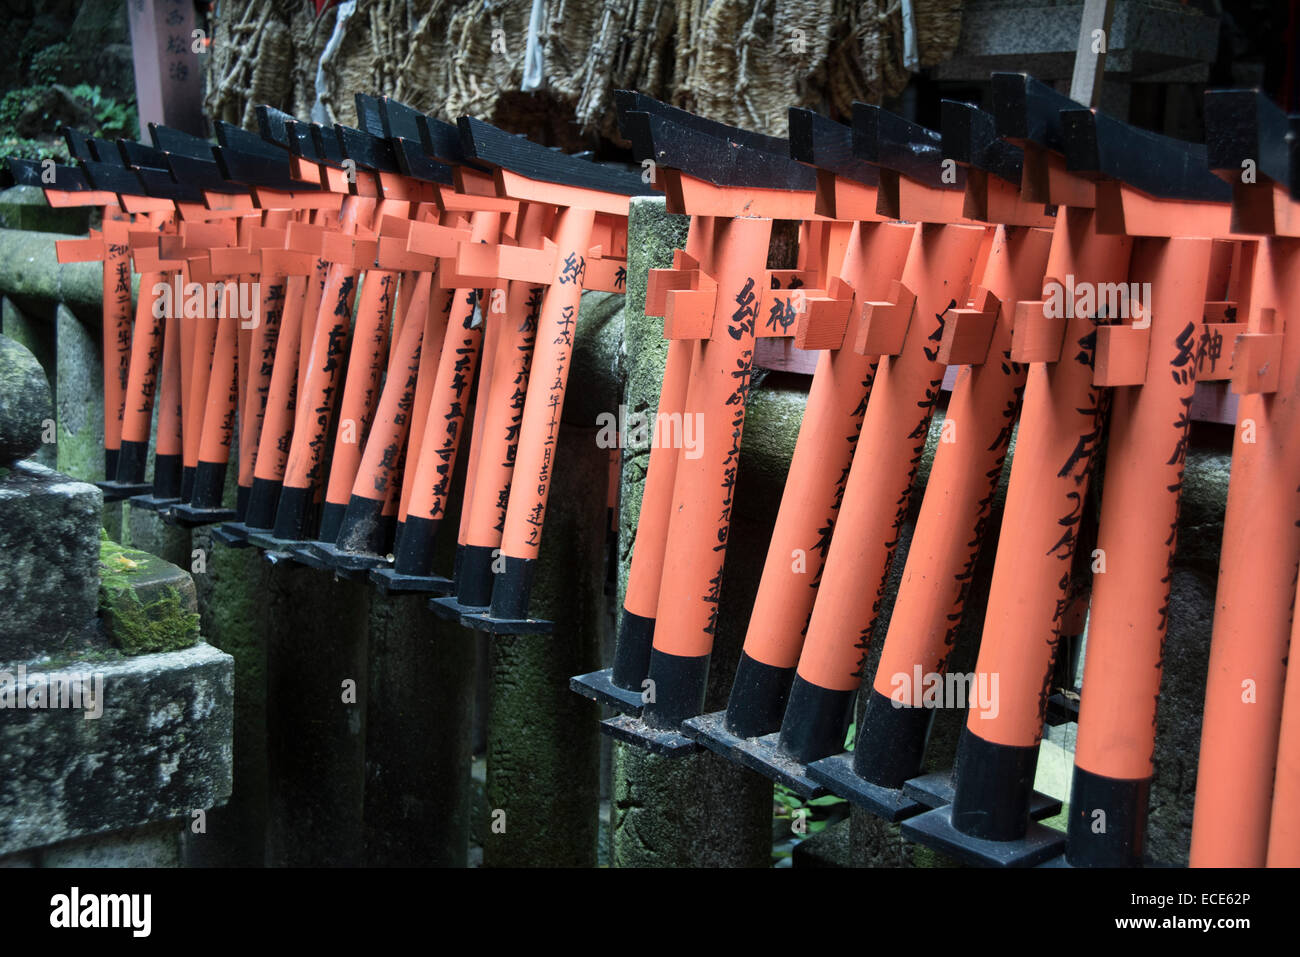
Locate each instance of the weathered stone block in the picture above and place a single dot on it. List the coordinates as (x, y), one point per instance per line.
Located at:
(147, 605)
(24, 207)
(49, 555)
(152, 846)
(37, 336)
(80, 399)
(25, 407)
(159, 748)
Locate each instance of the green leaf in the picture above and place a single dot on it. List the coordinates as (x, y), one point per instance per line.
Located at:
(828, 800)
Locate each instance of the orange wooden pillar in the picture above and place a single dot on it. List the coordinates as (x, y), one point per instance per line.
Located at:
(1284, 829)
(622, 685)
(1257, 571)
(499, 407)
(365, 530)
(592, 208)
(1151, 362)
(1061, 422)
(317, 394)
(1151, 357)
(703, 487)
(429, 473)
(954, 514)
(299, 267)
(906, 330)
(116, 318)
(215, 417)
(867, 253)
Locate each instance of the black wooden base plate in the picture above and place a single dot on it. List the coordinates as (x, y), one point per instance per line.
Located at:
(483, 621)
(152, 502)
(633, 731)
(306, 553)
(277, 551)
(837, 775)
(233, 534)
(934, 829)
(117, 491)
(393, 582)
(189, 516)
(449, 609)
(598, 686)
(358, 563)
(935, 790)
(763, 754)
(1062, 710)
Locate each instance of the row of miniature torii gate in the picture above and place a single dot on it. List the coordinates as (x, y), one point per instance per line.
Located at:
(1007, 246)
(394, 266)
(430, 222)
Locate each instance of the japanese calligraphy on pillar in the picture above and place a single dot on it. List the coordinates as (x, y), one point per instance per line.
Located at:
(165, 48)
(523, 363)
(740, 328)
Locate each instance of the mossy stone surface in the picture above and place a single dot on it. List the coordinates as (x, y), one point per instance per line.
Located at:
(543, 751)
(37, 336)
(80, 400)
(24, 207)
(30, 273)
(147, 605)
(49, 563)
(25, 404)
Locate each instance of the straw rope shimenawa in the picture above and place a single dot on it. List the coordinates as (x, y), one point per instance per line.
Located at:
(739, 61)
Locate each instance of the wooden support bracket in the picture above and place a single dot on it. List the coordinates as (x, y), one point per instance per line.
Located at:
(1257, 358)
(826, 320)
(884, 324)
(1036, 337)
(969, 331)
(1121, 355)
(686, 298)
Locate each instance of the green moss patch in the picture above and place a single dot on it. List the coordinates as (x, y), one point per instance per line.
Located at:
(140, 601)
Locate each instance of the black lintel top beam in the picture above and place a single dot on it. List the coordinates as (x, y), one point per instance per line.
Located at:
(828, 145)
(1155, 164)
(192, 160)
(401, 134)
(69, 179)
(369, 116)
(105, 151)
(718, 160)
(630, 101)
(141, 154)
(366, 150)
(1245, 125)
(241, 167)
(178, 143)
(285, 131)
(421, 143)
(398, 119)
(486, 143)
(906, 148)
(232, 137)
(1029, 110)
(202, 174)
(161, 183)
(414, 162)
(442, 141)
(246, 157)
(970, 136)
(78, 144)
(113, 177)
(326, 146)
